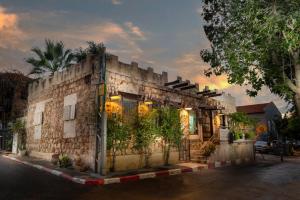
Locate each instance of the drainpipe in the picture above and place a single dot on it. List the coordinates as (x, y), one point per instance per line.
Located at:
(101, 135)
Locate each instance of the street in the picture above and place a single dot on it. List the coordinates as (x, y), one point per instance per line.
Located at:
(267, 179)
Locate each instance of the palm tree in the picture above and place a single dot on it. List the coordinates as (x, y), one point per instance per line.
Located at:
(54, 58)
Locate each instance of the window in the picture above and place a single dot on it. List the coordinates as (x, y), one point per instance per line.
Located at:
(69, 112)
(192, 122)
(130, 107)
(38, 118)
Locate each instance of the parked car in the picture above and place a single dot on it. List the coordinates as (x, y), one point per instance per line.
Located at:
(262, 144)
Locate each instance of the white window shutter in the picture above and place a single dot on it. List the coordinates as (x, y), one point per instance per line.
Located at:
(72, 111)
(38, 118)
(67, 113)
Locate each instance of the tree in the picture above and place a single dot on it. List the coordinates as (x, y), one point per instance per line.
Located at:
(145, 132)
(118, 137)
(256, 43)
(170, 130)
(54, 58)
(92, 49)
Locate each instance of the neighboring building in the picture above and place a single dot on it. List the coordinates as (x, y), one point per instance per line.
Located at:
(13, 103)
(229, 104)
(62, 115)
(265, 114)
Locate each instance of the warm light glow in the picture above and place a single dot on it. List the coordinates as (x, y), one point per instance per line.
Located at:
(115, 97)
(148, 102)
(188, 108)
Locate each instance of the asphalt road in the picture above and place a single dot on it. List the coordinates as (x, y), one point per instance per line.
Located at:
(268, 179)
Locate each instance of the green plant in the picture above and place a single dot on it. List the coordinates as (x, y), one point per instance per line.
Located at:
(118, 136)
(64, 161)
(255, 43)
(240, 124)
(145, 132)
(169, 130)
(250, 135)
(18, 127)
(208, 149)
(54, 58)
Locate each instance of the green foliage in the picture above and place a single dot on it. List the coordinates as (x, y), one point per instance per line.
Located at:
(18, 127)
(64, 161)
(255, 42)
(208, 149)
(289, 127)
(145, 133)
(240, 124)
(170, 129)
(92, 49)
(53, 58)
(118, 136)
(250, 135)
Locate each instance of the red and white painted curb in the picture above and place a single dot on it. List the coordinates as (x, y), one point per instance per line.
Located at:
(123, 179)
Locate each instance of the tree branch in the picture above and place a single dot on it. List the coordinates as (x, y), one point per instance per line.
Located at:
(291, 85)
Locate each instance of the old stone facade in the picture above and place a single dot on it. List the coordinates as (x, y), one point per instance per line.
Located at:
(48, 129)
(62, 111)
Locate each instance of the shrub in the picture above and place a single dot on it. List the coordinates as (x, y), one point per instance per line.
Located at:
(208, 149)
(64, 161)
(250, 135)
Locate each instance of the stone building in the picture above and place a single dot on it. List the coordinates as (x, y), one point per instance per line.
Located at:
(62, 110)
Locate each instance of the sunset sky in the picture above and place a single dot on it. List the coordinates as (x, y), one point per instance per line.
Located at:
(166, 35)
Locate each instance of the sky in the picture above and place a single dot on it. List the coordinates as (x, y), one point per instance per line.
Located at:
(166, 35)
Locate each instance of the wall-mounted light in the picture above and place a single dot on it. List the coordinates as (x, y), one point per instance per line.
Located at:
(115, 97)
(188, 108)
(148, 102)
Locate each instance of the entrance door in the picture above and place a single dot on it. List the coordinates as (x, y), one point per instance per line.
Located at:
(184, 150)
(207, 124)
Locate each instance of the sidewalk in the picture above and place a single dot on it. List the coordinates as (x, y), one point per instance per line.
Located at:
(88, 178)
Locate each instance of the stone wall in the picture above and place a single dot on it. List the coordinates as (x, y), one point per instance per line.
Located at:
(48, 96)
(238, 150)
(50, 130)
(145, 83)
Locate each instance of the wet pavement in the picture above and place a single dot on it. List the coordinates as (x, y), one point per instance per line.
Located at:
(267, 179)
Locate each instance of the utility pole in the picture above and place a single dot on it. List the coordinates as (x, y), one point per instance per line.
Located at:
(101, 135)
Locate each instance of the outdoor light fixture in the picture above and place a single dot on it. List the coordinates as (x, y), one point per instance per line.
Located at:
(115, 97)
(188, 108)
(148, 102)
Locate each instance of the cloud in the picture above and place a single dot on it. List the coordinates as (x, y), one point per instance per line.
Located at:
(10, 33)
(135, 30)
(191, 66)
(116, 2)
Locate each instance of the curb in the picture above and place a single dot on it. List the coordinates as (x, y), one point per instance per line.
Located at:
(105, 181)
(218, 164)
(124, 179)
